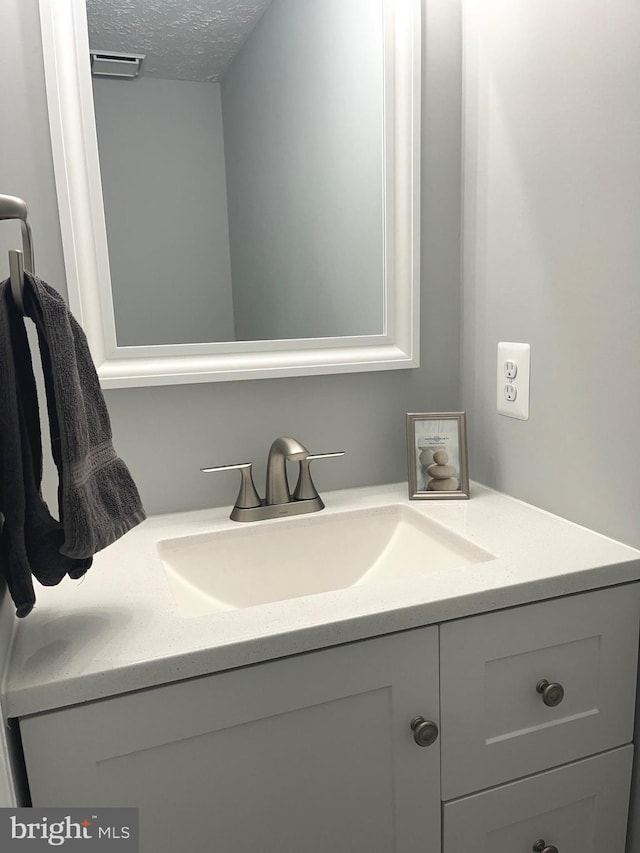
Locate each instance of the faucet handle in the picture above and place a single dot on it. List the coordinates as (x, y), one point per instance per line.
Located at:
(248, 497)
(305, 489)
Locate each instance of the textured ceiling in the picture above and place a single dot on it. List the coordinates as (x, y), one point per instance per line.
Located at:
(183, 39)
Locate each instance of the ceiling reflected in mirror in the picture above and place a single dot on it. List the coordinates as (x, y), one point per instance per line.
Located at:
(195, 40)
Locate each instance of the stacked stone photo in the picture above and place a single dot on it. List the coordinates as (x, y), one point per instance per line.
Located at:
(439, 475)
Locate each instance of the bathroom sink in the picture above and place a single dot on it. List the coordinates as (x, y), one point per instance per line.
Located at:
(289, 558)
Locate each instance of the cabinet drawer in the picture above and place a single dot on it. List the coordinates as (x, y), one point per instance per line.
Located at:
(496, 725)
(579, 808)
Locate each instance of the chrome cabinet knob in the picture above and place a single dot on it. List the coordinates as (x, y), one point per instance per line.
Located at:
(425, 732)
(541, 847)
(552, 693)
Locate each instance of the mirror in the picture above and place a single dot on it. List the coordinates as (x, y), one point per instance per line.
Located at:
(247, 205)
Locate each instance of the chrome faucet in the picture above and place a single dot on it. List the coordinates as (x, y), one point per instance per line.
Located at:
(278, 501)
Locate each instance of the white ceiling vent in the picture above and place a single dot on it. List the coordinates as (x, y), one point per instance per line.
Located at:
(111, 63)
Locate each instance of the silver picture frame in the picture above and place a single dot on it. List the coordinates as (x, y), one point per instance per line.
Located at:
(437, 456)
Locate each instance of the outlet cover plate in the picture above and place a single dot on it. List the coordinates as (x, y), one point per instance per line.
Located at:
(521, 355)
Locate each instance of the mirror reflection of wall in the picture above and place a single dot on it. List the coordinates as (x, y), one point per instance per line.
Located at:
(243, 188)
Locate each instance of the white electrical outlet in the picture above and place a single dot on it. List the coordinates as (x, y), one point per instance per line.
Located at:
(513, 380)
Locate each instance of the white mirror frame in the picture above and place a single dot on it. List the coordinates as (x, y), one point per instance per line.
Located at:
(82, 222)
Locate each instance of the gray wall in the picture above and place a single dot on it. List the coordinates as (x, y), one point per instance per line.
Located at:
(163, 175)
(26, 170)
(302, 107)
(552, 251)
(552, 257)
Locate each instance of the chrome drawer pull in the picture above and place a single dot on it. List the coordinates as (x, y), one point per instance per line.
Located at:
(425, 732)
(540, 847)
(552, 693)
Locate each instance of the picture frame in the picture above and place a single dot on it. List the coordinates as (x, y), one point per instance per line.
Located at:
(437, 455)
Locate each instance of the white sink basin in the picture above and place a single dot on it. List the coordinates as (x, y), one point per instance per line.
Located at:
(289, 558)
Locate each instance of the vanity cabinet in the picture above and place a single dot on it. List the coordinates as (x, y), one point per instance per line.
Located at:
(312, 753)
(321, 753)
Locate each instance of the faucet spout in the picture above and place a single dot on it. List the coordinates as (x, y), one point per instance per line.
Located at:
(283, 448)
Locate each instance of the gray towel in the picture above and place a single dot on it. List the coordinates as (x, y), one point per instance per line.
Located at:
(98, 500)
(30, 537)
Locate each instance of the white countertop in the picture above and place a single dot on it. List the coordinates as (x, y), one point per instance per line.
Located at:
(118, 629)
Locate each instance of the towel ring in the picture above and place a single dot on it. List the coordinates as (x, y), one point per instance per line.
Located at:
(12, 207)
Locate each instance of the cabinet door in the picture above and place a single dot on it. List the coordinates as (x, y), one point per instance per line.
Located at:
(312, 753)
(496, 725)
(578, 808)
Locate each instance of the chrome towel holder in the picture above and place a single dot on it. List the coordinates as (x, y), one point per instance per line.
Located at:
(12, 207)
